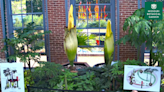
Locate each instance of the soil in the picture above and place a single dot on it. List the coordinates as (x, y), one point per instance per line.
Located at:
(77, 67)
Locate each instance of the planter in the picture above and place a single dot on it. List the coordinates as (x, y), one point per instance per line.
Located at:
(99, 65)
(102, 64)
(77, 66)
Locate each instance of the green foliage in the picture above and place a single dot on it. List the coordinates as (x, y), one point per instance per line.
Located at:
(103, 23)
(83, 38)
(93, 78)
(138, 29)
(38, 20)
(158, 35)
(162, 81)
(51, 75)
(91, 24)
(47, 75)
(28, 79)
(162, 84)
(54, 76)
(37, 6)
(102, 38)
(118, 68)
(16, 5)
(26, 6)
(108, 76)
(134, 62)
(67, 81)
(116, 72)
(25, 44)
(142, 31)
(85, 82)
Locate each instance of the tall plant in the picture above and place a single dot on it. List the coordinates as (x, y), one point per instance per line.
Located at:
(139, 31)
(25, 43)
(70, 38)
(108, 44)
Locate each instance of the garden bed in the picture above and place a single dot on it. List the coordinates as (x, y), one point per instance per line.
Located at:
(78, 65)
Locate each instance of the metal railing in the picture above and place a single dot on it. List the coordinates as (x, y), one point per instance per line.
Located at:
(40, 89)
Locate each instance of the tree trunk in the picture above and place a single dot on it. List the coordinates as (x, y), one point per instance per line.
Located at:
(65, 82)
(138, 53)
(113, 85)
(150, 61)
(29, 65)
(151, 48)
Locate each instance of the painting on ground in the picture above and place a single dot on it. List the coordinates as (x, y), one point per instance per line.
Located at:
(12, 77)
(142, 78)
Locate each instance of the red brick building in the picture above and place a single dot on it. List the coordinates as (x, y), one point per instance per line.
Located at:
(56, 11)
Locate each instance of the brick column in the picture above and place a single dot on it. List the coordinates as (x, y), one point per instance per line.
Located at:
(57, 21)
(116, 48)
(127, 7)
(2, 55)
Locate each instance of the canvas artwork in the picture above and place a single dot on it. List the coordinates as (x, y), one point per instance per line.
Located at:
(142, 78)
(12, 77)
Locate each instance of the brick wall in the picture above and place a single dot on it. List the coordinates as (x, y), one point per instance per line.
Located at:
(56, 14)
(127, 7)
(2, 55)
(57, 21)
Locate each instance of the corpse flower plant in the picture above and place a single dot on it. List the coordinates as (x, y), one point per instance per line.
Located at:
(108, 44)
(70, 38)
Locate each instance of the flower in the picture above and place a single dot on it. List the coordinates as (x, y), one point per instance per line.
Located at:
(70, 18)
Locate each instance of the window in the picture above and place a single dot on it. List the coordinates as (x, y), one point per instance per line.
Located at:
(22, 12)
(91, 19)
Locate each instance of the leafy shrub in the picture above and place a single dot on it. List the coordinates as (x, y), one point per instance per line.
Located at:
(85, 82)
(47, 75)
(25, 44)
(67, 81)
(54, 76)
(28, 79)
(108, 78)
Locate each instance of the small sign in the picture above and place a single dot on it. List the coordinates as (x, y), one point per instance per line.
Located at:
(142, 78)
(12, 77)
(153, 10)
